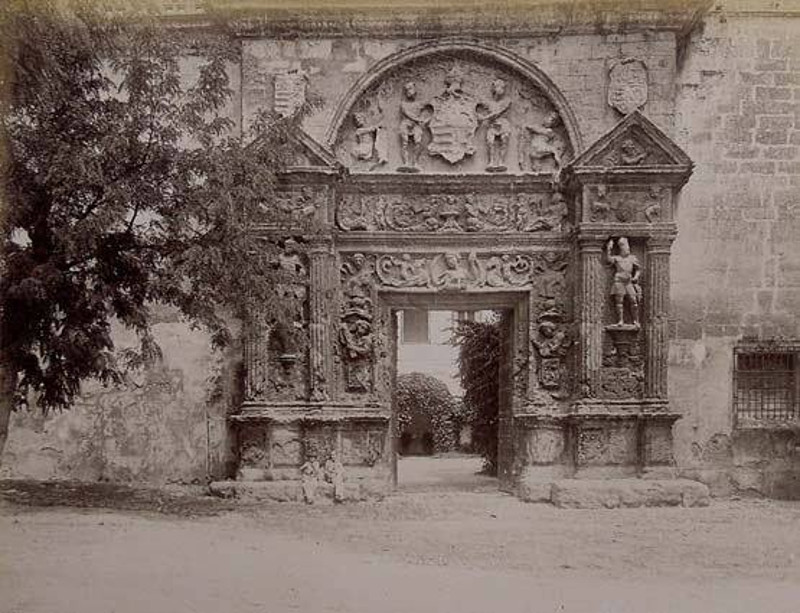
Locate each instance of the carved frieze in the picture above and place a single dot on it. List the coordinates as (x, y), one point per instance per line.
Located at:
(458, 271)
(299, 205)
(529, 212)
(607, 204)
(438, 114)
(627, 85)
(620, 384)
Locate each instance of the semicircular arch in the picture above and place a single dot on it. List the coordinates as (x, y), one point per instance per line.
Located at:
(525, 69)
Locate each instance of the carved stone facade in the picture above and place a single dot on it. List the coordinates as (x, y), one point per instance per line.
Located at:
(463, 191)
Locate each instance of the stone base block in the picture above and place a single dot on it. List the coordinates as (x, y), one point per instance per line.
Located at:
(615, 493)
(292, 491)
(532, 490)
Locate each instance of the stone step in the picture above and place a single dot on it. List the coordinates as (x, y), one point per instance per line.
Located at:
(291, 491)
(616, 493)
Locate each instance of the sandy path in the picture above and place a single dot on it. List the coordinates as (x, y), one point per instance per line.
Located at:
(423, 552)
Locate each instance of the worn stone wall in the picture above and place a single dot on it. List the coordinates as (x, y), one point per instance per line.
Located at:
(577, 65)
(168, 424)
(736, 262)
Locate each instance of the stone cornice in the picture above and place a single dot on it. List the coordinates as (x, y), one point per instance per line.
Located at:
(417, 18)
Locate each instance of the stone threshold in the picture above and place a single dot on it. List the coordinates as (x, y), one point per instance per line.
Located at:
(616, 493)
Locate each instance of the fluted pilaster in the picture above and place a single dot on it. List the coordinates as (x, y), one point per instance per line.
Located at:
(592, 294)
(656, 319)
(322, 278)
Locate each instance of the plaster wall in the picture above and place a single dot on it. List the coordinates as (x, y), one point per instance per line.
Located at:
(166, 425)
(736, 261)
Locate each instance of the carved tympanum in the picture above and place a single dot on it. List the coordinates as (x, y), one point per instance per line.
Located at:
(469, 115)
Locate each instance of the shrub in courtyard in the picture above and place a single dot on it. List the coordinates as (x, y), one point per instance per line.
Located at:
(479, 362)
(422, 398)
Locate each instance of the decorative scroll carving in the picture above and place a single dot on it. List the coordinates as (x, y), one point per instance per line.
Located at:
(453, 271)
(625, 286)
(619, 384)
(539, 212)
(470, 116)
(356, 334)
(290, 92)
(627, 85)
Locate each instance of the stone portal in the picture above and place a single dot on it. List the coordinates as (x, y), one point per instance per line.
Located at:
(467, 187)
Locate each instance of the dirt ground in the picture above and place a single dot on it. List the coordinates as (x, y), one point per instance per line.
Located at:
(453, 549)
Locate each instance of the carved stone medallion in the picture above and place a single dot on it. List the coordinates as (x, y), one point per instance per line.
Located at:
(627, 85)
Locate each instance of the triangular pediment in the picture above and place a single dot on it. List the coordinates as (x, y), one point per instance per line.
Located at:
(635, 143)
(307, 155)
(312, 156)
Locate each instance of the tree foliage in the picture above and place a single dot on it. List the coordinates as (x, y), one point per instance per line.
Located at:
(479, 370)
(126, 183)
(428, 398)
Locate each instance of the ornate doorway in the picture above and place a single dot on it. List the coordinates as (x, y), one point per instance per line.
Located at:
(452, 180)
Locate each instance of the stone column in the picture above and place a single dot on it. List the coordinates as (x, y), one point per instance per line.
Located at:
(321, 290)
(256, 359)
(656, 314)
(592, 294)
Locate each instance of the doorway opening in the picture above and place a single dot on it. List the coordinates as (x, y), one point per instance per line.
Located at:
(447, 408)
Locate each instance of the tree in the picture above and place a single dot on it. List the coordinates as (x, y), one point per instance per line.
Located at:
(479, 370)
(124, 187)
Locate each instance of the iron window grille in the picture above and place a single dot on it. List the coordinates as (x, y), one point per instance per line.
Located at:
(766, 383)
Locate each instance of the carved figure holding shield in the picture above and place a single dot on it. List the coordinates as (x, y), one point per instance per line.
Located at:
(411, 132)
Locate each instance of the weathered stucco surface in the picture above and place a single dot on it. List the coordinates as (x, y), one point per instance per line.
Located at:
(736, 261)
(167, 425)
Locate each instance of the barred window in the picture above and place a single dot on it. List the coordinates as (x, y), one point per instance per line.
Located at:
(766, 383)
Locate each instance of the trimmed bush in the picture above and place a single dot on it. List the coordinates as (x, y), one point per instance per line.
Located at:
(426, 408)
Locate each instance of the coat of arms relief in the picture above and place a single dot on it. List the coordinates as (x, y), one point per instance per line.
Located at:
(448, 115)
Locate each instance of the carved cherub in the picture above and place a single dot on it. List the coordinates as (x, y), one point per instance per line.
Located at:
(552, 341)
(451, 274)
(630, 153)
(627, 272)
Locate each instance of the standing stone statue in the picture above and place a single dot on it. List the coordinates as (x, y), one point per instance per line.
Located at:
(627, 272)
(411, 131)
(499, 130)
(310, 473)
(334, 474)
